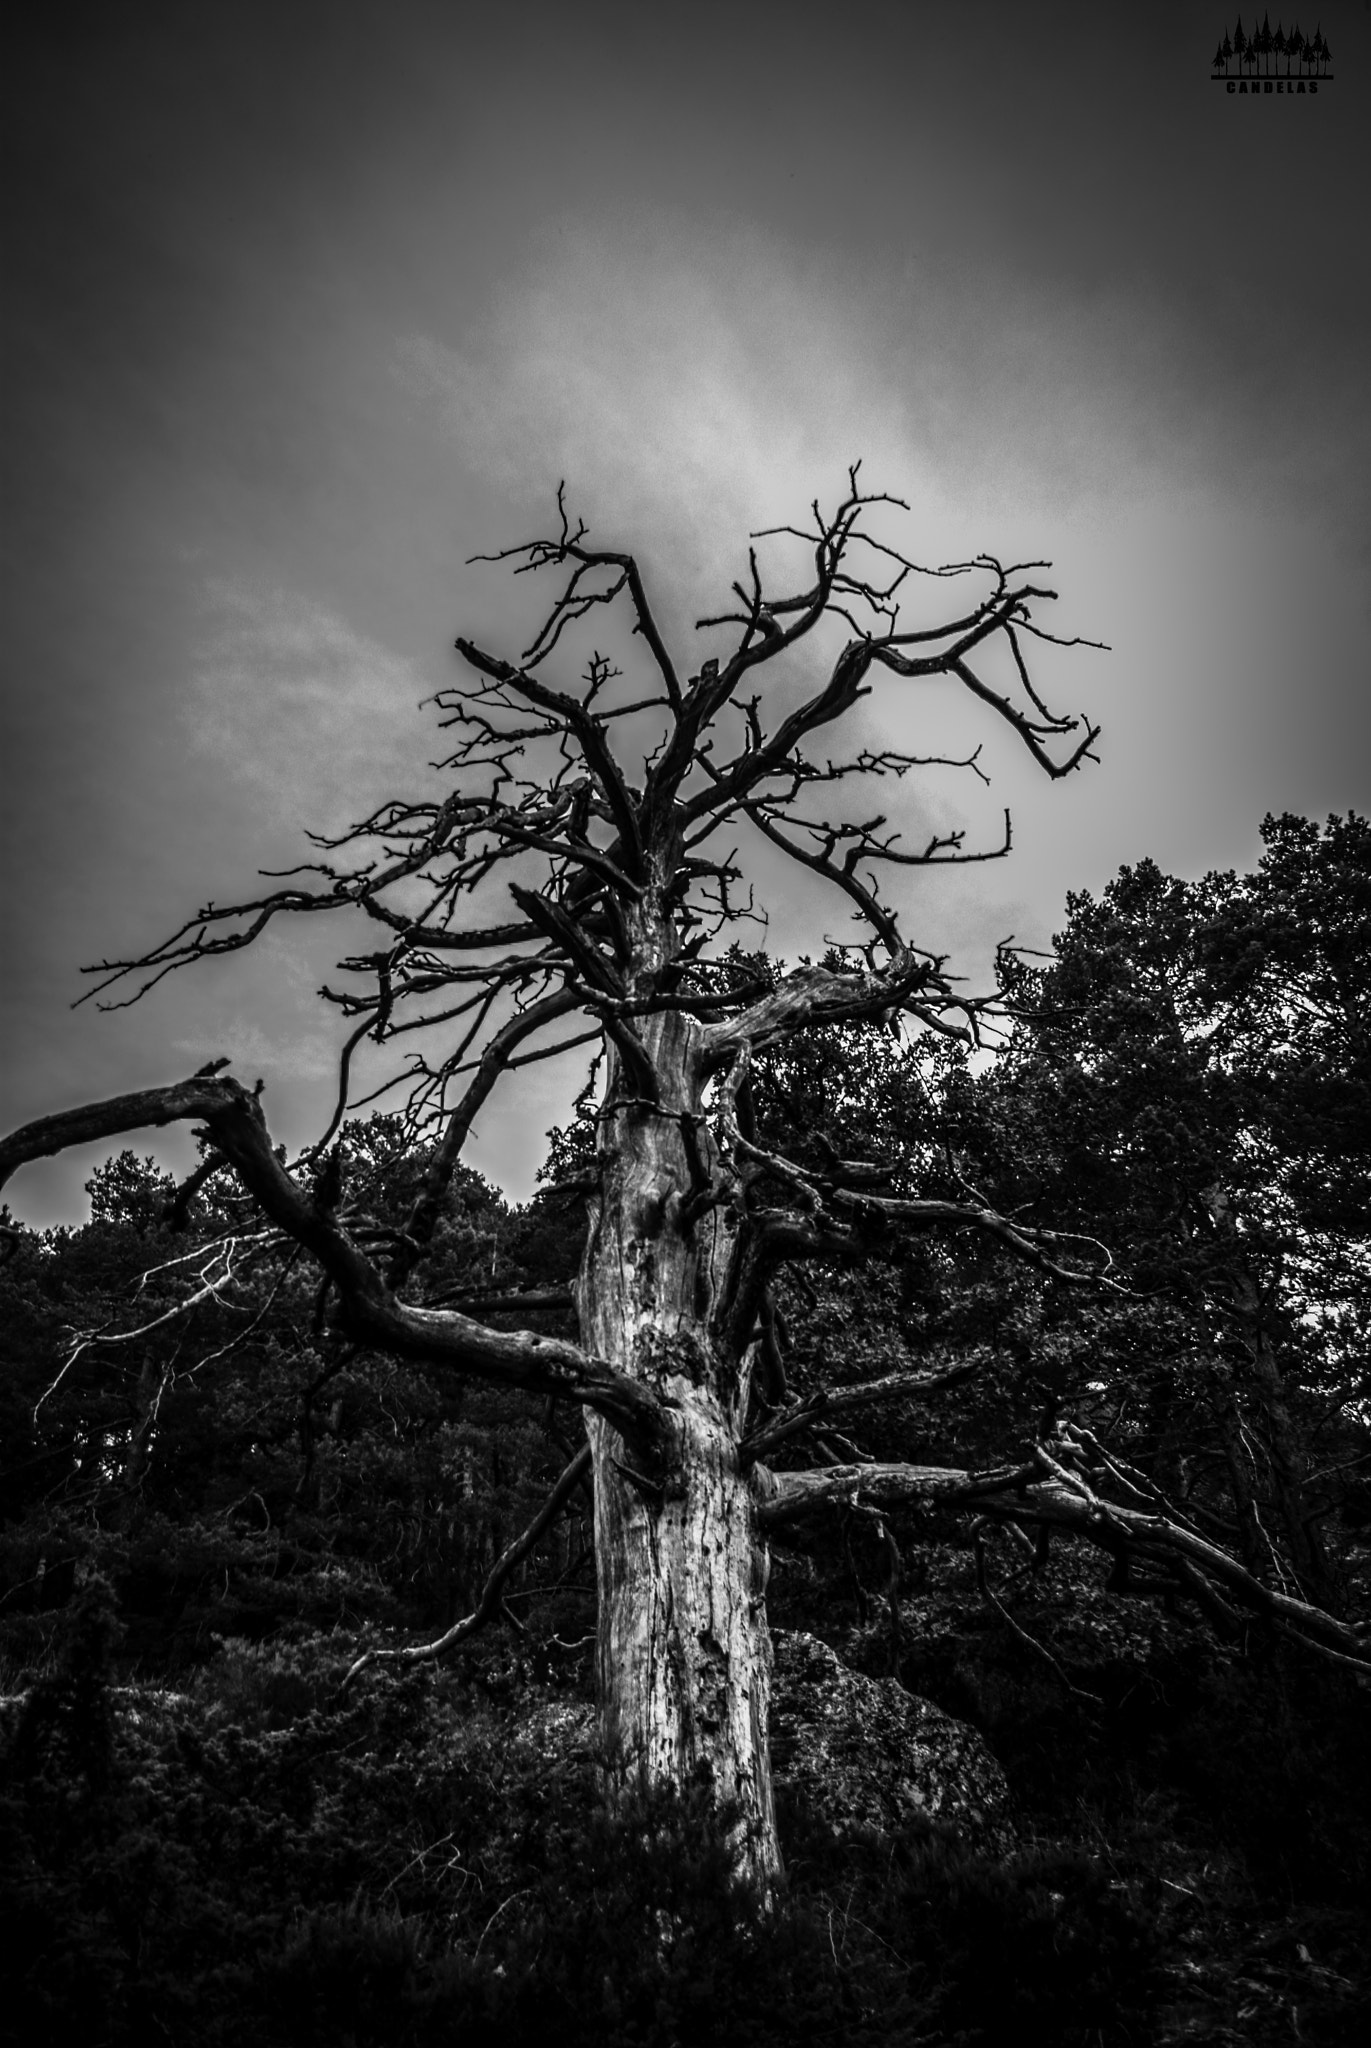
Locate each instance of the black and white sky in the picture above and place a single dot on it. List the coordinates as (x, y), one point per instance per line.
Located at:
(305, 304)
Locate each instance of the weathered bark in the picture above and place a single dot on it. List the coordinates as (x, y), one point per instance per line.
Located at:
(1045, 1491)
(684, 1653)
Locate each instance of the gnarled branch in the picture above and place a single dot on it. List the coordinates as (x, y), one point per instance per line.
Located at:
(369, 1309)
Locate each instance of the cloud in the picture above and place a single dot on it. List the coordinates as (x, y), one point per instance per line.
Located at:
(286, 1054)
(703, 380)
(291, 701)
(691, 384)
(691, 388)
(691, 379)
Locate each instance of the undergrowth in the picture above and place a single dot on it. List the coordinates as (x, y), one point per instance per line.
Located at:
(269, 1858)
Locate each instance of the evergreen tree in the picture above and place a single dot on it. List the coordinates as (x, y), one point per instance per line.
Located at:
(1210, 1081)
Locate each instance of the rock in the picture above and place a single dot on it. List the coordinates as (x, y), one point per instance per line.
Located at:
(864, 1752)
(854, 1751)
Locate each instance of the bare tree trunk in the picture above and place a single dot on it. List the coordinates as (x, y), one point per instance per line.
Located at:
(153, 1381)
(684, 1652)
(1253, 1542)
(1278, 1440)
(1283, 1457)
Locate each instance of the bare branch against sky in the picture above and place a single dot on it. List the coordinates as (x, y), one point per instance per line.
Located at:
(305, 305)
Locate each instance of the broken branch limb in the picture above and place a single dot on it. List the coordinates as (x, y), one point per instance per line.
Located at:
(369, 1309)
(203, 1096)
(1064, 1500)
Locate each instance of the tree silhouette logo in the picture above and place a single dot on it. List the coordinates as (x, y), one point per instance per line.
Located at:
(1271, 61)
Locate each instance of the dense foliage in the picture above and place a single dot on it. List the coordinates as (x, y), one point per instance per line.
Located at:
(212, 1501)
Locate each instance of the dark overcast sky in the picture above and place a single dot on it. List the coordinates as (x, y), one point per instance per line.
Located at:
(304, 304)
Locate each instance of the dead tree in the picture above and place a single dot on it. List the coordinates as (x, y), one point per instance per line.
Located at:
(575, 879)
